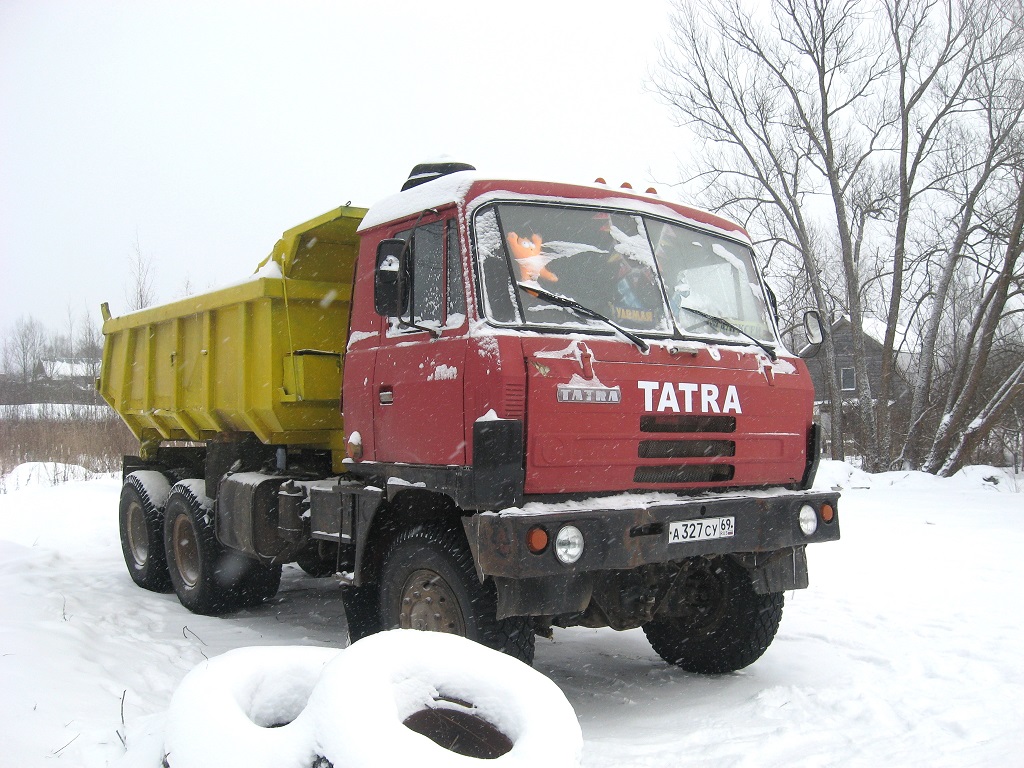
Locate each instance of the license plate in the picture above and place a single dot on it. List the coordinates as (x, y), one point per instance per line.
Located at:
(701, 530)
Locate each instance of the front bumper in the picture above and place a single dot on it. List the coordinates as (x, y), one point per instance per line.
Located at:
(625, 532)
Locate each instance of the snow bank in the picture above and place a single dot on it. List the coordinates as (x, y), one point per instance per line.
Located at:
(841, 476)
(284, 707)
(45, 473)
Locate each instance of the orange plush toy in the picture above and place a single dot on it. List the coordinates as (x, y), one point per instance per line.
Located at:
(529, 259)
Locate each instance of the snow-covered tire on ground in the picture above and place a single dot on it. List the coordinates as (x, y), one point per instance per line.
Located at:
(397, 698)
(471, 700)
(205, 575)
(244, 708)
(141, 520)
(428, 582)
(721, 624)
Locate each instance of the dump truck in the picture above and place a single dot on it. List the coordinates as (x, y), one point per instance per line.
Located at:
(485, 406)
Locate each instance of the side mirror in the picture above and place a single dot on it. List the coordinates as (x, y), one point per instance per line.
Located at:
(813, 327)
(390, 290)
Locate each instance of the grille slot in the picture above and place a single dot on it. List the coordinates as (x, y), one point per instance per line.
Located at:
(515, 401)
(688, 473)
(673, 423)
(685, 449)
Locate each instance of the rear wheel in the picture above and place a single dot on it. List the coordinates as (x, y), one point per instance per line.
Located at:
(141, 521)
(429, 582)
(718, 622)
(205, 575)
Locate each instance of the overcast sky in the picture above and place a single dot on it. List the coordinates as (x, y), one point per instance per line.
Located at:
(202, 130)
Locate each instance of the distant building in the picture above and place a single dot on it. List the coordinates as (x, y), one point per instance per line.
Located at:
(78, 371)
(63, 380)
(846, 375)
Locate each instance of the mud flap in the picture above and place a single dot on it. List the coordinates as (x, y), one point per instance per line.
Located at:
(778, 571)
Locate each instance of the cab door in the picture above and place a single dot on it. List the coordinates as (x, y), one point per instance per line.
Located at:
(418, 377)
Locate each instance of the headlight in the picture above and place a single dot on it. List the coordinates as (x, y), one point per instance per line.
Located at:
(808, 519)
(569, 544)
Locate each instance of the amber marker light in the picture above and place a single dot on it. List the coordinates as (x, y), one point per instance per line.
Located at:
(537, 539)
(827, 513)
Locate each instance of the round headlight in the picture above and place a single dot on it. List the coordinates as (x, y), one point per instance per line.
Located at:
(808, 519)
(569, 544)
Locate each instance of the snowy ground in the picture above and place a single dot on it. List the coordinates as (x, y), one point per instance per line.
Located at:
(905, 651)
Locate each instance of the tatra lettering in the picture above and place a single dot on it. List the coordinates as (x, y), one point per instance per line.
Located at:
(707, 397)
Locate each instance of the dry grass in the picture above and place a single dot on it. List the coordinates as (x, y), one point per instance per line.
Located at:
(94, 438)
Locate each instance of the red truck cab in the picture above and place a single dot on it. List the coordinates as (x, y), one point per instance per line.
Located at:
(700, 407)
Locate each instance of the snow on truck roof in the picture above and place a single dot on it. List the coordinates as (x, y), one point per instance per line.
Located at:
(464, 186)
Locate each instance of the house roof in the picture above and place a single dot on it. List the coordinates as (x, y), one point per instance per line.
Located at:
(70, 368)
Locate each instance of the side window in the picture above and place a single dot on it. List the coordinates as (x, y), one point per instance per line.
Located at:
(428, 273)
(436, 273)
(456, 294)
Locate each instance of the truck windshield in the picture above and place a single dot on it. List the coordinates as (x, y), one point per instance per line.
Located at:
(641, 272)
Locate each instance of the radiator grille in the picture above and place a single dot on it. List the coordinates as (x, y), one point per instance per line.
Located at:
(685, 449)
(673, 423)
(687, 473)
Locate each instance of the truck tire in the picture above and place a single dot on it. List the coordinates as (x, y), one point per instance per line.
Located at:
(724, 625)
(429, 582)
(141, 520)
(205, 575)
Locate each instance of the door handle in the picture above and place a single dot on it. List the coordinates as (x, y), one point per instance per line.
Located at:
(386, 394)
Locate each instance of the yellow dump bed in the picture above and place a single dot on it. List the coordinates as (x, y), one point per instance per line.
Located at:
(264, 356)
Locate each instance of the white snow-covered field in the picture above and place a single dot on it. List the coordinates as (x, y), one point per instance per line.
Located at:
(906, 650)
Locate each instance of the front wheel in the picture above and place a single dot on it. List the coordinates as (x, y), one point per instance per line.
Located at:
(429, 583)
(718, 623)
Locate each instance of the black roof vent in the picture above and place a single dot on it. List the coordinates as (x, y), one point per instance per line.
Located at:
(425, 172)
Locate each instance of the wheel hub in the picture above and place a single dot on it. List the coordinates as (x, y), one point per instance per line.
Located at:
(186, 550)
(138, 536)
(704, 599)
(429, 604)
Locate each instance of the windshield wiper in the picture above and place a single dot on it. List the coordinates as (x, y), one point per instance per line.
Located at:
(721, 322)
(564, 301)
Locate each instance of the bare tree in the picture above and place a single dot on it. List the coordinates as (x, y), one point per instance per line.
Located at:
(23, 349)
(777, 99)
(139, 292)
(875, 138)
(979, 220)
